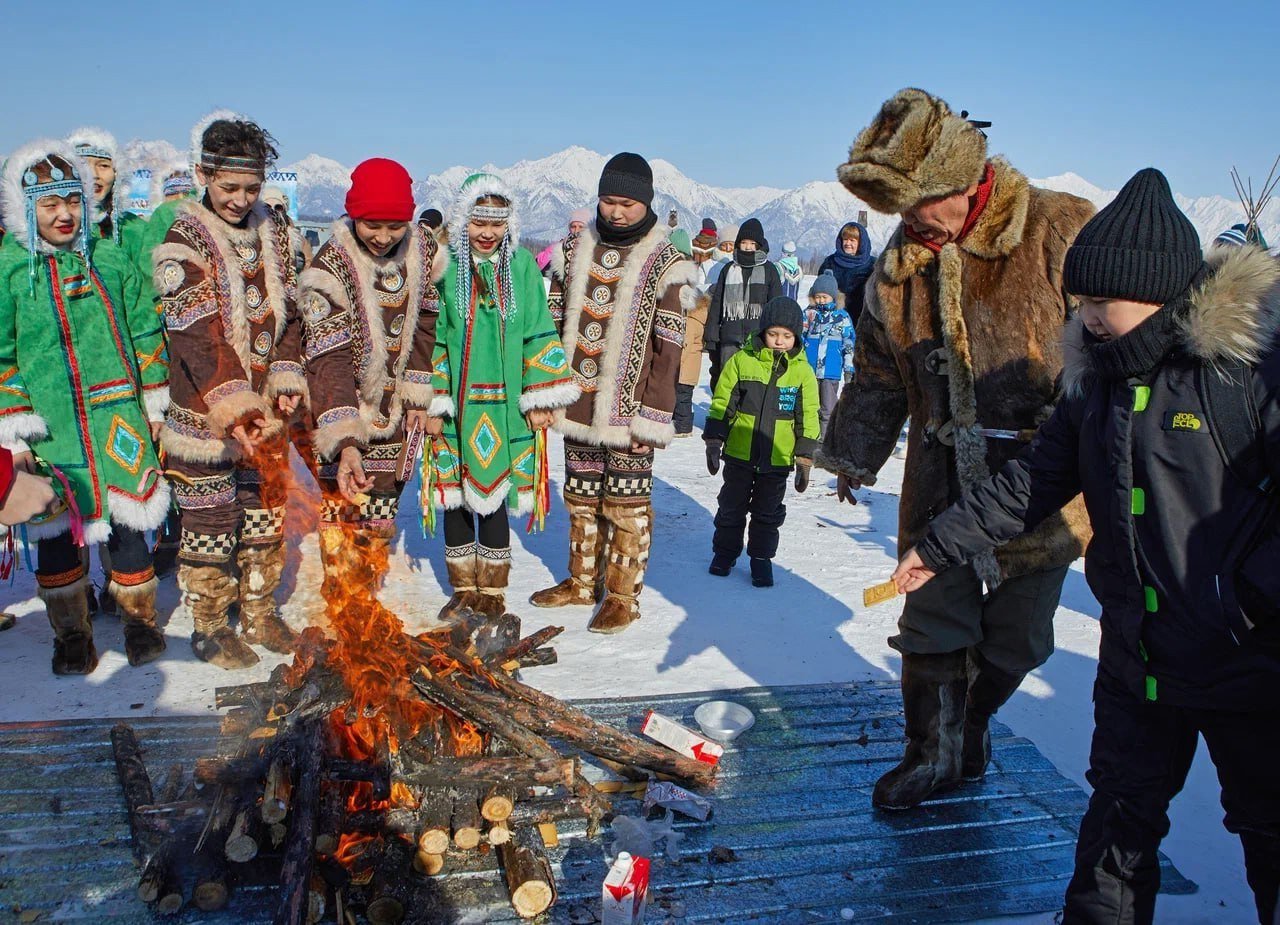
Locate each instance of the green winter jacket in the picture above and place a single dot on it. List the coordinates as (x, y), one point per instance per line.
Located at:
(83, 369)
(765, 408)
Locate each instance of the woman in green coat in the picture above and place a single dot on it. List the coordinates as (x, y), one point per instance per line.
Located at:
(498, 373)
(83, 388)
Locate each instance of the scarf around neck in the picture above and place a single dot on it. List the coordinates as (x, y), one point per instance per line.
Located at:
(1139, 351)
(625, 237)
(977, 205)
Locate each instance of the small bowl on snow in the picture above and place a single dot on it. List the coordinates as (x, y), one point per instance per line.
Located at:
(723, 720)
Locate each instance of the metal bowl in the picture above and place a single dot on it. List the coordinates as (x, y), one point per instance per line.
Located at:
(723, 720)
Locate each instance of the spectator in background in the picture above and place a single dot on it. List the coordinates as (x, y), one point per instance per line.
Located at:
(852, 263)
(578, 219)
(431, 220)
(828, 341)
(278, 203)
(789, 270)
(695, 320)
(741, 292)
(722, 256)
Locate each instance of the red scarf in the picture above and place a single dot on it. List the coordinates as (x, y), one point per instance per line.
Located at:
(977, 206)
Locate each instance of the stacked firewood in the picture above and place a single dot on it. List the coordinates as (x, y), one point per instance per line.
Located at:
(346, 836)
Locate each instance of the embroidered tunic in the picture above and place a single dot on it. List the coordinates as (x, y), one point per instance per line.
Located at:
(83, 367)
(228, 295)
(493, 363)
(369, 327)
(620, 311)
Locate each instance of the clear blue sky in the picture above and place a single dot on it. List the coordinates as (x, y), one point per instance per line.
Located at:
(735, 94)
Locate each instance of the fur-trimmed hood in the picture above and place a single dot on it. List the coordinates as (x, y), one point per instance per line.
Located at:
(477, 186)
(1231, 316)
(13, 201)
(198, 130)
(99, 139)
(162, 173)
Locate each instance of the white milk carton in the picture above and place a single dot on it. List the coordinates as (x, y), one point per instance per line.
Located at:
(677, 737)
(626, 888)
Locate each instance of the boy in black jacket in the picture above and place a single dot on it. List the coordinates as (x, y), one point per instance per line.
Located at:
(1189, 612)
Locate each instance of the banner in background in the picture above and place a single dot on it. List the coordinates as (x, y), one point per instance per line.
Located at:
(140, 192)
(287, 182)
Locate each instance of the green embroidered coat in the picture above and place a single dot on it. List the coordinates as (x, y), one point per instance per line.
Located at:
(83, 368)
(491, 366)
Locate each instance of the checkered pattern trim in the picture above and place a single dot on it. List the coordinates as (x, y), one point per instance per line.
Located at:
(379, 509)
(584, 486)
(205, 547)
(627, 486)
(262, 524)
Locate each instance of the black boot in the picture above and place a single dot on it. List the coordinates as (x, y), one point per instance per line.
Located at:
(989, 688)
(933, 697)
(722, 564)
(762, 573)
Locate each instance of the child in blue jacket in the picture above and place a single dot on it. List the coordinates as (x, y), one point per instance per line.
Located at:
(828, 342)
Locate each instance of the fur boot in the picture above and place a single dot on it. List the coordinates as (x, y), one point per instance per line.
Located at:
(989, 689)
(208, 591)
(627, 557)
(460, 561)
(143, 641)
(260, 624)
(68, 609)
(493, 570)
(587, 532)
(933, 694)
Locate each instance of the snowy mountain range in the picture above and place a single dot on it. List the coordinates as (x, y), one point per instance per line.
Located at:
(550, 188)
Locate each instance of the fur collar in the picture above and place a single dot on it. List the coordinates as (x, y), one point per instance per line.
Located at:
(1231, 316)
(998, 231)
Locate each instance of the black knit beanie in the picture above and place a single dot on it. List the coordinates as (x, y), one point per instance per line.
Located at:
(752, 230)
(783, 312)
(628, 175)
(1140, 247)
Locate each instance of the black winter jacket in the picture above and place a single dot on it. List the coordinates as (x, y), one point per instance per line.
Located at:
(1165, 508)
(763, 285)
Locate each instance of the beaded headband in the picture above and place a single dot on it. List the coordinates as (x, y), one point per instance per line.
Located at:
(215, 162)
(88, 150)
(177, 184)
(495, 213)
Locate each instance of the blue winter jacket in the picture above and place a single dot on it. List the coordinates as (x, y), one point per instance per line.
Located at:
(828, 340)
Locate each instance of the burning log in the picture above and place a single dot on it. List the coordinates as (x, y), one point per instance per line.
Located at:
(515, 772)
(299, 852)
(242, 841)
(524, 647)
(539, 658)
(435, 813)
(159, 883)
(276, 792)
(329, 820)
(466, 821)
(527, 872)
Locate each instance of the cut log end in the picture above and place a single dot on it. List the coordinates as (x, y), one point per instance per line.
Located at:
(428, 864)
(385, 911)
(532, 898)
(210, 896)
(434, 841)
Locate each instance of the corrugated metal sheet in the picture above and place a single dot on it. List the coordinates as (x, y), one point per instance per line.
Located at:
(792, 802)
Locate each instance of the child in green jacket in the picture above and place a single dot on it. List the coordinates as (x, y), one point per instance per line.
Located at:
(763, 420)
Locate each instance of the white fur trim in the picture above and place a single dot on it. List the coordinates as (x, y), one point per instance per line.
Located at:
(119, 192)
(17, 429)
(13, 202)
(442, 406)
(326, 438)
(97, 531)
(197, 450)
(651, 433)
(415, 395)
(156, 401)
(488, 184)
(162, 173)
(140, 515)
(171, 252)
(555, 396)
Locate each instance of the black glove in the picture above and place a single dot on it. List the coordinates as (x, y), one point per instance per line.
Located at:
(713, 454)
(802, 473)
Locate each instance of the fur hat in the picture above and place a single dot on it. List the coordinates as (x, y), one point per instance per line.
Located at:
(783, 312)
(171, 178)
(704, 243)
(95, 142)
(916, 148)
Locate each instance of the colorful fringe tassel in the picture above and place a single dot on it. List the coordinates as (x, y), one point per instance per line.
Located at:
(541, 485)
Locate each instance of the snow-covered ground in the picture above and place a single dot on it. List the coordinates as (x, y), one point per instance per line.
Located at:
(697, 632)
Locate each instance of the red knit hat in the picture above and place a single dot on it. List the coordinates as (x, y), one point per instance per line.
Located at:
(381, 190)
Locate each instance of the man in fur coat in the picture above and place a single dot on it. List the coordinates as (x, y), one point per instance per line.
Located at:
(961, 332)
(618, 295)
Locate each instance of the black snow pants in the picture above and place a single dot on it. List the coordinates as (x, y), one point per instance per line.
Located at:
(1139, 761)
(746, 491)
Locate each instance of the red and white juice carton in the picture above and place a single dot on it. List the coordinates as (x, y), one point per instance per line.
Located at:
(677, 737)
(626, 889)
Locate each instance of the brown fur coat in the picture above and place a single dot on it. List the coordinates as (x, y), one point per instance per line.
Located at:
(970, 337)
